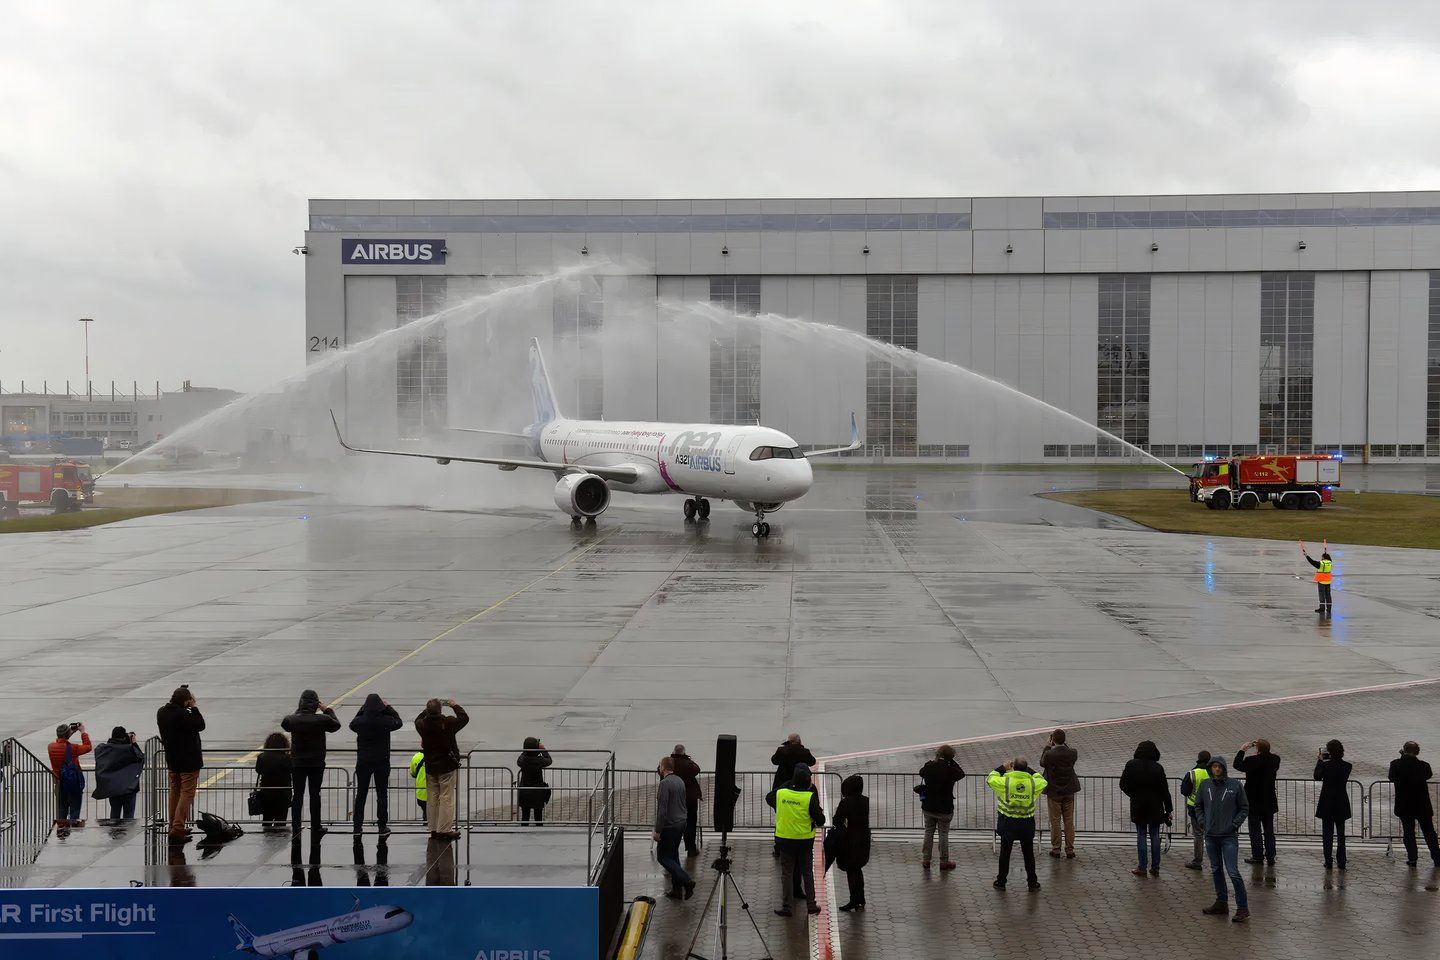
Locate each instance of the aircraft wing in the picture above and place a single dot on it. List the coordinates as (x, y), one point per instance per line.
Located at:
(620, 474)
(855, 442)
(507, 434)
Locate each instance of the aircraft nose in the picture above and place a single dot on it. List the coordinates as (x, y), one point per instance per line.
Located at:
(797, 479)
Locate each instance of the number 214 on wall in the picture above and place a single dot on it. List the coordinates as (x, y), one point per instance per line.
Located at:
(322, 343)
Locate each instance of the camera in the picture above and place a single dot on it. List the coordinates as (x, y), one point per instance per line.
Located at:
(74, 727)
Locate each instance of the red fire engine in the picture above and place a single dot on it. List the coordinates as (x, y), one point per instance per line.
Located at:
(1288, 481)
(65, 485)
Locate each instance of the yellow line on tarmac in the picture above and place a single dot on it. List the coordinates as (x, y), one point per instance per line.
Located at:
(588, 548)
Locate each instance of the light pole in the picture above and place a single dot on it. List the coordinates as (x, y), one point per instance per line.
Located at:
(87, 321)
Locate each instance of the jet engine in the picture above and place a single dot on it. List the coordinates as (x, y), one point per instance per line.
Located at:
(582, 495)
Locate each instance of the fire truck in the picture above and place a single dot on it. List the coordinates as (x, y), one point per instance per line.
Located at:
(1287, 481)
(65, 485)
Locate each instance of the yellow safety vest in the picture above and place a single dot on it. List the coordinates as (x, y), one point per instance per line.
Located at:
(1322, 575)
(1197, 776)
(417, 770)
(792, 814)
(1015, 793)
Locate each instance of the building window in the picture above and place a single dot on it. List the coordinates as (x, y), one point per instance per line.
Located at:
(1287, 361)
(577, 316)
(948, 450)
(1123, 375)
(421, 370)
(735, 352)
(1432, 379)
(891, 397)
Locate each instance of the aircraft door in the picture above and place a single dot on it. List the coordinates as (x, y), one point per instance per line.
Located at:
(733, 452)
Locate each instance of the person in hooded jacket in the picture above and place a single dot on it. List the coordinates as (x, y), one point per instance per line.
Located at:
(1145, 783)
(798, 815)
(1057, 763)
(1412, 805)
(372, 725)
(308, 725)
(1333, 807)
(119, 762)
(937, 803)
(273, 768)
(852, 850)
(534, 792)
(1260, 772)
(1220, 807)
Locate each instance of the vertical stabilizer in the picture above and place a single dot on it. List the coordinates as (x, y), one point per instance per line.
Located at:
(542, 392)
(242, 934)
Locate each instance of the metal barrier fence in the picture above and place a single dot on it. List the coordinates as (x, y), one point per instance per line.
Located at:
(588, 792)
(1380, 806)
(27, 804)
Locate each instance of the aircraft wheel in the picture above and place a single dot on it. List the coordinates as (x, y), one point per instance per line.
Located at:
(764, 529)
(589, 521)
(575, 520)
(704, 508)
(689, 509)
(755, 529)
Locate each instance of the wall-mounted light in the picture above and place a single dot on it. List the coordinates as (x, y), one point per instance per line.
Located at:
(300, 251)
(1154, 247)
(1300, 245)
(865, 250)
(584, 249)
(725, 250)
(1009, 248)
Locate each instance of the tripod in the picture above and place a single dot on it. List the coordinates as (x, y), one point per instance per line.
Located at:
(724, 883)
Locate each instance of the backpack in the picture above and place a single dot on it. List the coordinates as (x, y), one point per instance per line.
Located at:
(72, 781)
(217, 829)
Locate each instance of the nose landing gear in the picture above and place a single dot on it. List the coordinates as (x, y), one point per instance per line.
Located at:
(697, 509)
(760, 529)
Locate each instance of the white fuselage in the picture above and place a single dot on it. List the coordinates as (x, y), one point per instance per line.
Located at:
(750, 464)
(313, 937)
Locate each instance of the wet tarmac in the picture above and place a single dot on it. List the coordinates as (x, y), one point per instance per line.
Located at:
(889, 607)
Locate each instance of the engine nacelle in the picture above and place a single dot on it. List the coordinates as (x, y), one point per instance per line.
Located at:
(582, 495)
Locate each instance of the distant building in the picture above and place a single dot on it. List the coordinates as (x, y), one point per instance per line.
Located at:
(1187, 325)
(30, 421)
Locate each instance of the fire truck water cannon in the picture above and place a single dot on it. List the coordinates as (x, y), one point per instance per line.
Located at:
(1287, 481)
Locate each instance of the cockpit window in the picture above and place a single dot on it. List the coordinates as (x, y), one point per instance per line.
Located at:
(393, 913)
(777, 453)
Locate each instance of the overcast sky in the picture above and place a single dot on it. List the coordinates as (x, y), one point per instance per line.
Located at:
(155, 158)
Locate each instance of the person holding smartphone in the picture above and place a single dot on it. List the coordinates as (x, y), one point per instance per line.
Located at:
(1261, 769)
(118, 764)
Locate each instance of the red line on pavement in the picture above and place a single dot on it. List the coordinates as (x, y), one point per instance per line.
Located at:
(1090, 724)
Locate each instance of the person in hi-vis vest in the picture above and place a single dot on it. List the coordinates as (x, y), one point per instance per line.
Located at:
(797, 816)
(1323, 575)
(1016, 791)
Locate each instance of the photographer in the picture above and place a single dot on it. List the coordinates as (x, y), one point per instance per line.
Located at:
(1260, 771)
(119, 762)
(937, 803)
(1411, 777)
(373, 724)
(180, 725)
(69, 781)
(308, 725)
(442, 763)
(1333, 807)
(1057, 762)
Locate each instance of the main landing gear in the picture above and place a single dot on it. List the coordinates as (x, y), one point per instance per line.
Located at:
(697, 508)
(760, 529)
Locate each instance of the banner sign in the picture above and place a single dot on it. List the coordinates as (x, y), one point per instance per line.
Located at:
(392, 251)
(308, 923)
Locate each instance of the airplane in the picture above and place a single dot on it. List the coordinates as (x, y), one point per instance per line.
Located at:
(758, 468)
(307, 940)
